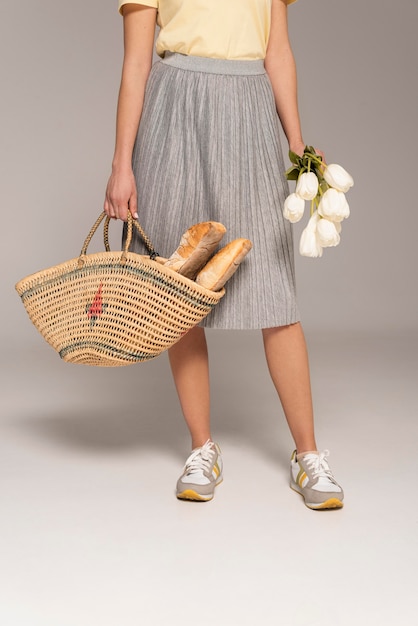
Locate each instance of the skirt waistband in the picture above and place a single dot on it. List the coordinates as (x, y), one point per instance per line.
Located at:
(236, 67)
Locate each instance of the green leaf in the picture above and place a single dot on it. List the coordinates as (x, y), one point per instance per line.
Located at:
(292, 173)
(319, 176)
(324, 186)
(294, 158)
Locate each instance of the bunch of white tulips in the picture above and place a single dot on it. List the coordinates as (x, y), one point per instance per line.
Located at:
(325, 187)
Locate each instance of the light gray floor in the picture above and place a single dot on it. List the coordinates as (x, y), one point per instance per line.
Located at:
(92, 535)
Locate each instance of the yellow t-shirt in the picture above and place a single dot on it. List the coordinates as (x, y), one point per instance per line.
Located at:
(221, 29)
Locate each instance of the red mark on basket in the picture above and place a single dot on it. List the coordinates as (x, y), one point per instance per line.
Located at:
(97, 307)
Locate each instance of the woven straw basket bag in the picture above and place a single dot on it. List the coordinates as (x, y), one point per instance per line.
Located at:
(113, 308)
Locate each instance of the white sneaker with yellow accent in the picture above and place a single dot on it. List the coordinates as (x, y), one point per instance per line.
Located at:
(201, 474)
(310, 475)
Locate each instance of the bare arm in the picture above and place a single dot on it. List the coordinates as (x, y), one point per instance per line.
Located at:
(281, 69)
(139, 28)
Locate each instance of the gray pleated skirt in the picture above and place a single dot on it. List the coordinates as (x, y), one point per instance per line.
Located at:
(208, 148)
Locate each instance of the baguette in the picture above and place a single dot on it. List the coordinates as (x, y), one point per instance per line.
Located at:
(196, 246)
(221, 267)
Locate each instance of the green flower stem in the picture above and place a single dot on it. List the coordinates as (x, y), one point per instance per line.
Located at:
(316, 157)
(308, 162)
(311, 155)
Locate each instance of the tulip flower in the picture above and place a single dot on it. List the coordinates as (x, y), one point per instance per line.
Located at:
(307, 185)
(309, 244)
(294, 207)
(325, 186)
(338, 178)
(327, 233)
(334, 206)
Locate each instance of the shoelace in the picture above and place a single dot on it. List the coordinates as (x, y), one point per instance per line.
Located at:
(319, 466)
(200, 459)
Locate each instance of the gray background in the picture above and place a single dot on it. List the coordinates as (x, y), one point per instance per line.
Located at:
(90, 531)
(357, 73)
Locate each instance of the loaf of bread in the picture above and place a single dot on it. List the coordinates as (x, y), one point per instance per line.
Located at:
(221, 267)
(196, 246)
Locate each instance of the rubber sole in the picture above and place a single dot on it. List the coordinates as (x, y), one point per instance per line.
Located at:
(192, 495)
(331, 503)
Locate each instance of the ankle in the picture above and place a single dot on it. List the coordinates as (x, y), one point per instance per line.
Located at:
(306, 446)
(198, 442)
(301, 453)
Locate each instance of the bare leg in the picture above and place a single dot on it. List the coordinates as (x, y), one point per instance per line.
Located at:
(190, 367)
(287, 360)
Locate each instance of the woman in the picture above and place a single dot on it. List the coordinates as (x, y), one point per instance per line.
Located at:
(197, 139)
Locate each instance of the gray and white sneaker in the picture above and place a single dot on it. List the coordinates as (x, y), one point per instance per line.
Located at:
(311, 476)
(201, 474)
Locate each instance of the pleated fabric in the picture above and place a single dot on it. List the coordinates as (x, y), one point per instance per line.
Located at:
(208, 148)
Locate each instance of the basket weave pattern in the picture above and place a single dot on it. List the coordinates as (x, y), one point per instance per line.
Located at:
(105, 309)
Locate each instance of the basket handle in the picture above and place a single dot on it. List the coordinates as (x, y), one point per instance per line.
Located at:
(152, 253)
